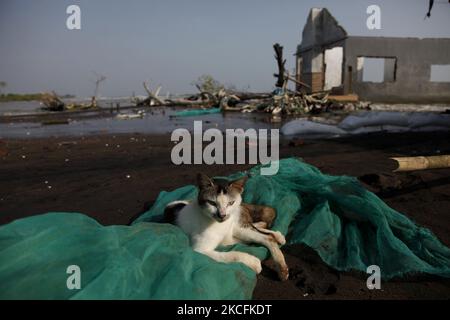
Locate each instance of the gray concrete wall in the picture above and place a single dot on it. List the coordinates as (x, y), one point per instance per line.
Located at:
(414, 59)
(320, 32)
(320, 28)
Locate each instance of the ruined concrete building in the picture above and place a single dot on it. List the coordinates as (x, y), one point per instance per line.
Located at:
(375, 68)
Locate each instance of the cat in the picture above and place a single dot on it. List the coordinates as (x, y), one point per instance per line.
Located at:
(218, 217)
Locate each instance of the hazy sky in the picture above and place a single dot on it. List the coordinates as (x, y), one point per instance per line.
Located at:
(173, 42)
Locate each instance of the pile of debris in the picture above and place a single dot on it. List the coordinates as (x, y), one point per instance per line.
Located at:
(296, 103)
(52, 102)
(281, 101)
(203, 99)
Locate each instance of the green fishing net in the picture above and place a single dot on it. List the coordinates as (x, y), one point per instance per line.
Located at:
(348, 226)
(197, 112)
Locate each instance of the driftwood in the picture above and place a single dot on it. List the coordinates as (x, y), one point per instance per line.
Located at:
(225, 103)
(251, 95)
(422, 163)
(52, 102)
(203, 99)
(152, 98)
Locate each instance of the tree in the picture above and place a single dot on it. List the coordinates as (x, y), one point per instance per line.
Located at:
(99, 79)
(207, 83)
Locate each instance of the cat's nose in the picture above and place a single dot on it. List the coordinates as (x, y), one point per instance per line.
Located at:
(222, 213)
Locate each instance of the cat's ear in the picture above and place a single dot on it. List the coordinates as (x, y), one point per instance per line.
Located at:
(238, 184)
(203, 181)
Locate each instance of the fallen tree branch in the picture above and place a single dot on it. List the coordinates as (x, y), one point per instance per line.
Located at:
(52, 102)
(152, 97)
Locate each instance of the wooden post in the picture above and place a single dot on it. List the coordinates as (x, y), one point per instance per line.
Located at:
(350, 79)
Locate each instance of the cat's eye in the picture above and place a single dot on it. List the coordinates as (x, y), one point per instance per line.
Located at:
(211, 202)
(230, 203)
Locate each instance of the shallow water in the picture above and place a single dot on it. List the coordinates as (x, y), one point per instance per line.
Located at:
(154, 121)
(162, 120)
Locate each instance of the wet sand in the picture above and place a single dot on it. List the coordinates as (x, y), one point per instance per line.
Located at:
(114, 178)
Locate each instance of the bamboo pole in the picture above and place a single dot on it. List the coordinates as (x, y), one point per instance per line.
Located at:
(422, 163)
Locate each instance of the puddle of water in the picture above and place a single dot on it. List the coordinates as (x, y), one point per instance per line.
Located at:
(155, 121)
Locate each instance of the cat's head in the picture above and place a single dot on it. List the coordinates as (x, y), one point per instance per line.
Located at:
(219, 198)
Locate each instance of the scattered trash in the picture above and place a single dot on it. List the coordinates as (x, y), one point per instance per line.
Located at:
(127, 116)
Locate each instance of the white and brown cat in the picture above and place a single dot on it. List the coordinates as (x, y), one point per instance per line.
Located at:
(218, 217)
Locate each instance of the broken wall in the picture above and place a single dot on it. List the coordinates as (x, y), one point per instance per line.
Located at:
(411, 60)
(321, 32)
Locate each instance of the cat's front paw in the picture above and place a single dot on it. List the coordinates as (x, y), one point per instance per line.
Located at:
(253, 263)
(279, 238)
